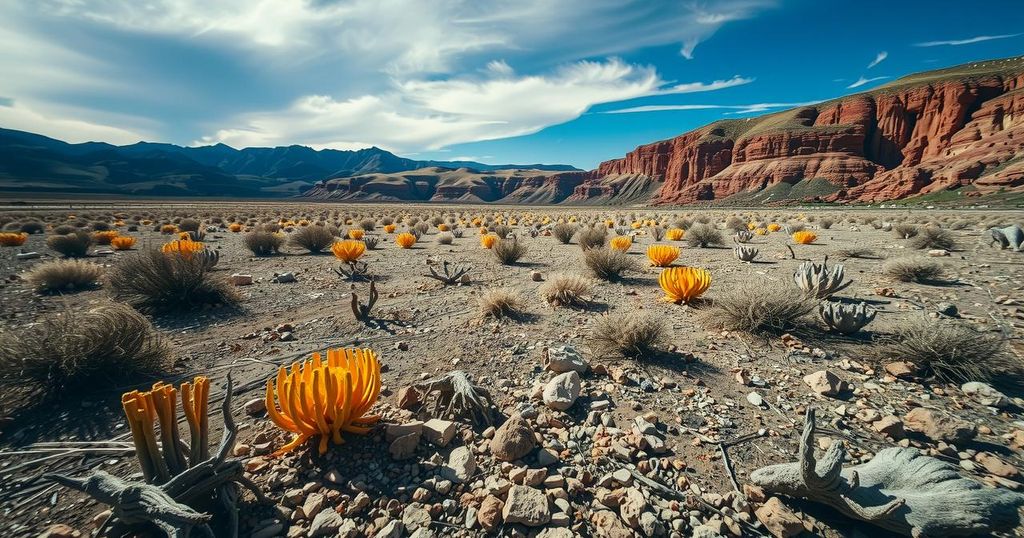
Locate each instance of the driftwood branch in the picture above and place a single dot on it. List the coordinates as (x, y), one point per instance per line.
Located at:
(457, 396)
(362, 311)
(452, 272)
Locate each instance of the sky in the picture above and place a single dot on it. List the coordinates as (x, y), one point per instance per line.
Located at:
(497, 81)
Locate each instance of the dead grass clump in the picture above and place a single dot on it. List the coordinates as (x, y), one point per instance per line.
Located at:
(608, 264)
(703, 235)
(905, 230)
(911, 269)
(933, 237)
(758, 306)
(64, 275)
(826, 223)
(73, 245)
(74, 351)
(501, 303)
(368, 224)
(264, 243)
(592, 237)
(627, 335)
(189, 225)
(856, 252)
(951, 350)
(152, 281)
(735, 224)
(565, 289)
(443, 238)
(563, 232)
(508, 251)
(312, 238)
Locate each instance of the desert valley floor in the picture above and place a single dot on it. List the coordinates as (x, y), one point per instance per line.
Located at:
(664, 420)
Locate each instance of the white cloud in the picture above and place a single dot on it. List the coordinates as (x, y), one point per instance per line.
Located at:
(432, 114)
(63, 126)
(968, 41)
(733, 109)
(879, 58)
(862, 81)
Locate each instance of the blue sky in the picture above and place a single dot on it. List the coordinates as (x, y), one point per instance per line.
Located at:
(499, 81)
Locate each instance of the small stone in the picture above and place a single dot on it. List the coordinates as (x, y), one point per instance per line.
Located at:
(889, 425)
(284, 278)
(997, 466)
(562, 391)
(60, 530)
(755, 399)
(326, 523)
(239, 279)
(439, 432)
(536, 276)
(939, 426)
(526, 505)
(631, 506)
(513, 440)
(405, 446)
(489, 514)
(825, 383)
(408, 398)
(901, 369)
(563, 359)
(461, 465)
(778, 519)
(986, 395)
(393, 529)
(415, 517)
(256, 406)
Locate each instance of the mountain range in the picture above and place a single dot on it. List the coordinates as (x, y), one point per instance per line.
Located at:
(947, 134)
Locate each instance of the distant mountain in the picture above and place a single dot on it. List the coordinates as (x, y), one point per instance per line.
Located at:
(35, 163)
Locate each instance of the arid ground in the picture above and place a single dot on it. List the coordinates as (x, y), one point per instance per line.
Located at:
(706, 384)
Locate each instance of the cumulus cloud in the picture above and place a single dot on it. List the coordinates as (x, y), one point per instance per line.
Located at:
(879, 58)
(968, 41)
(62, 124)
(434, 113)
(862, 81)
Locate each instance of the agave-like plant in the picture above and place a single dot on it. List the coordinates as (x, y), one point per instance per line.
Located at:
(818, 280)
(845, 318)
(674, 234)
(684, 284)
(621, 243)
(182, 247)
(488, 240)
(805, 237)
(744, 253)
(348, 250)
(743, 236)
(13, 239)
(325, 397)
(122, 242)
(662, 255)
(405, 240)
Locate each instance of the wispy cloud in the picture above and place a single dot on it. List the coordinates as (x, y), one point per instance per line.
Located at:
(6, 101)
(862, 81)
(968, 41)
(733, 109)
(879, 58)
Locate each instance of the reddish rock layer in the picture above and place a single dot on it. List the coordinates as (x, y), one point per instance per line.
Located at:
(898, 141)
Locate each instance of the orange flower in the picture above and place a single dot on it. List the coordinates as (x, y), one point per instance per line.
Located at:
(405, 240)
(662, 255)
(620, 242)
(355, 233)
(684, 284)
(348, 250)
(805, 237)
(122, 242)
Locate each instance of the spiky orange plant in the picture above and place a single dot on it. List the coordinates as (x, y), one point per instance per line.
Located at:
(325, 398)
(104, 237)
(122, 242)
(620, 242)
(405, 240)
(146, 409)
(355, 233)
(483, 230)
(487, 241)
(182, 247)
(662, 255)
(684, 284)
(774, 227)
(348, 250)
(13, 239)
(235, 227)
(168, 229)
(805, 237)
(390, 228)
(443, 227)
(674, 234)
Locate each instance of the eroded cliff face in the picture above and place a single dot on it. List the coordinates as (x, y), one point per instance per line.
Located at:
(898, 141)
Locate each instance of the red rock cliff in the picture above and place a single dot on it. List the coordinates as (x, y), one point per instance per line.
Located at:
(957, 127)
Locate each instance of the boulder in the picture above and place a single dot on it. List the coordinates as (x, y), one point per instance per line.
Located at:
(778, 519)
(513, 440)
(562, 391)
(563, 359)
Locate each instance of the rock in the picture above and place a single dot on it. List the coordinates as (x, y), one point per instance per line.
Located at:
(27, 255)
(313, 504)
(415, 516)
(271, 530)
(631, 506)
(513, 440)
(536, 276)
(650, 525)
(489, 514)
(348, 529)
(526, 505)
(394, 431)
(393, 529)
(408, 398)
(608, 525)
(284, 278)
(997, 466)
(360, 503)
(326, 523)
(60, 530)
(256, 406)
(778, 519)
(938, 253)
(986, 394)
(563, 359)
(547, 457)
(825, 383)
(562, 391)
(439, 432)
(755, 399)
(405, 446)
(239, 279)
(939, 426)
(948, 310)
(901, 369)
(461, 465)
(889, 425)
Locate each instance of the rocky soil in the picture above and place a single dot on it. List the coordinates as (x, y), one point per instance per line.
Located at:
(582, 444)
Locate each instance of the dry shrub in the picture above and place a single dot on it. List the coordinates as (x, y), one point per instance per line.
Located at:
(73, 245)
(951, 350)
(64, 275)
(703, 235)
(592, 238)
(933, 237)
(909, 269)
(608, 264)
(657, 232)
(152, 281)
(563, 232)
(856, 252)
(421, 228)
(627, 335)
(445, 238)
(562, 289)
(735, 224)
(959, 224)
(758, 306)
(189, 225)
(368, 225)
(32, 227)
(501, 303)
(312, 238)
(64, 229)
(68, 353)
(826, 223)
(263, 243)
(905, 230)
(508, 251)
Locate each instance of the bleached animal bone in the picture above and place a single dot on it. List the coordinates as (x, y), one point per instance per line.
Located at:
(845, 318)
(452, 272)
(744, 254)
(899, 490)
(1009, 237)
(818, 280)
(742, 236)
